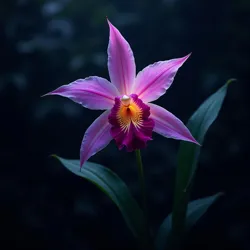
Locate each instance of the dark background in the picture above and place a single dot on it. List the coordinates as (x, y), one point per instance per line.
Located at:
(45, 44)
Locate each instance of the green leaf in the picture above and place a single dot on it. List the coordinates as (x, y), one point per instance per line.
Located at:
(195, 210)
(188, 154)
(108, 182)
(198, 125)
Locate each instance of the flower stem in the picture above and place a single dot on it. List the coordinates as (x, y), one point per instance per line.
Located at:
(142, 182)
(143, 194)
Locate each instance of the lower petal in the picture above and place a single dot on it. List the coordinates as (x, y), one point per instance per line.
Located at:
(96, 137)
(168, 125)
(134, 129)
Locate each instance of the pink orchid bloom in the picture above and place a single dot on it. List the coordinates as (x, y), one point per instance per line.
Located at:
(129, 118)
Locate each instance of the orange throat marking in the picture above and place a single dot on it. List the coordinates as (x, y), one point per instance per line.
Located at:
(129, 112)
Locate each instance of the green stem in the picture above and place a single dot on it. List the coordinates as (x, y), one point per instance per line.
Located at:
(143, 195)
(179, 219)
(142, 182)
(183, 185)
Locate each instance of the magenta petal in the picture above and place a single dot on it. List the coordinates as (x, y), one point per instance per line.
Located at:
(168, 125)
(92, 92)
(96, 137)
(153, 81)
(121, 62)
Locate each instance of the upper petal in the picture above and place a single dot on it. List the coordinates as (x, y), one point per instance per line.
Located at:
(96, 137)
(168, 125)
(92, 92)
(121, 62)
(153, 81)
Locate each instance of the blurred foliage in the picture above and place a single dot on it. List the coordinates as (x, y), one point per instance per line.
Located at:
(45, 44)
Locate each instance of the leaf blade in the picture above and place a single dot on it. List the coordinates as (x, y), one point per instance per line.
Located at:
(188, 154)
(109, 183)
(195, 210)
(198, 125)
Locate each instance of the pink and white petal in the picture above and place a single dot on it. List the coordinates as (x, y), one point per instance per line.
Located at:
(153, 81)
(96, 137)
(92, 92)
(121, 62)
(168, 125)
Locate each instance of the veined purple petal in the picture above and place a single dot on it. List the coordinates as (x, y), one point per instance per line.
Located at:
(96, 137)
(92, 92)
(168, 125)
(131, 125)
(121, 62)
(153, 81)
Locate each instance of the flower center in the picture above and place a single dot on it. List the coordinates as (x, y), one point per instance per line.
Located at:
(125, 100)
(129, 112)
(131, 125)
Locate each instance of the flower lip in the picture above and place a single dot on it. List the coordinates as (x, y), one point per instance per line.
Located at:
(131, 125)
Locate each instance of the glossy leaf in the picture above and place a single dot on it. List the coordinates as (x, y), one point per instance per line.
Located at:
(188, 155)
(198, 125)
(195, 210)
(108, 182)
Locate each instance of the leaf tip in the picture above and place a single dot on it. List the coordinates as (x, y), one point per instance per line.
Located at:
(230, 81)
(220, 194)
(53, 155)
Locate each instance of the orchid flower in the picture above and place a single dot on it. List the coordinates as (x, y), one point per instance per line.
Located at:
(130, 117)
